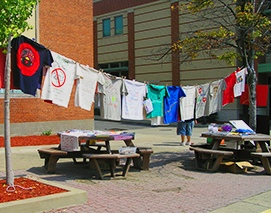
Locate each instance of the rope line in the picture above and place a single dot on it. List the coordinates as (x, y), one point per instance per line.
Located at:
(13, 188)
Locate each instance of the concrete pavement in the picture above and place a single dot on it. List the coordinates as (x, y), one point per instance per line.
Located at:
(171, 185)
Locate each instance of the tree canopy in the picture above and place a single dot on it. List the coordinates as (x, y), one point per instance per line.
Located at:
(241, 25)
(13, 18)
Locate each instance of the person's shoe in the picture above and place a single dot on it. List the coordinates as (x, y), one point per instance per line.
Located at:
(188, 143)
(182, 143)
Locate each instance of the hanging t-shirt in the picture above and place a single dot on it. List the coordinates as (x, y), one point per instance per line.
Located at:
(85, 86)
(172, 103)
(239, 86)
(228, 96)
(132, 104)
(111, 92)
(157, 93)
(215, 97)
(187, 103)
(29, 59)
(59, 80)
(202, 92)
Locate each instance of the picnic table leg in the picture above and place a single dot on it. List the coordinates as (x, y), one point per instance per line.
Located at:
(126, 167)
(97, 168)
(217, 163)
(107, 144)
(215, 143)
(50, 164)
(264, 148)
(129, 143)
(266, 165)
(112, 167)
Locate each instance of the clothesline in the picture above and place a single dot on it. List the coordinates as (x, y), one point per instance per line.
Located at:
(120, 97)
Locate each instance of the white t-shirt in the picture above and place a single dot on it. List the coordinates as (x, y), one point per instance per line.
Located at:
(111, 92)
(202, 91)
(132, 104)
(187, 104)
(239, 86)
(59, 80)
(85, 86)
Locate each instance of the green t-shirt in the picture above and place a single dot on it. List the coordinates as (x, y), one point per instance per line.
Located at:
(157, 93)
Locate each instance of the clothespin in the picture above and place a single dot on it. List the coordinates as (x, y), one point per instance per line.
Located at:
(166, 85)
(144, 82)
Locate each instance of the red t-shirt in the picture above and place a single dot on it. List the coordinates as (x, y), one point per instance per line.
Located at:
(228, 95)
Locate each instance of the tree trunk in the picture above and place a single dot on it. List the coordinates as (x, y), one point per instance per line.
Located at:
(252, 81)
(9, 172)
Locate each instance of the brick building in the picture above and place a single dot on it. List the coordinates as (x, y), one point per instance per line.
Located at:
(66, 27)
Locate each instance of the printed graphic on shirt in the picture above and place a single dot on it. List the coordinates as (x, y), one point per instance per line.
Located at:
(202, 93)
(28, 59)
(58, 77)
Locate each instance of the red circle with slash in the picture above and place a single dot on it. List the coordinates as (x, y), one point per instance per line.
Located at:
(58, 77)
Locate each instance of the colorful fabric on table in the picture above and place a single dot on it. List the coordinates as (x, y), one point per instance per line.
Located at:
(28, 62)
(69, 141)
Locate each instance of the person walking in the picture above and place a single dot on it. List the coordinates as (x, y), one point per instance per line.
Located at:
(185, 128)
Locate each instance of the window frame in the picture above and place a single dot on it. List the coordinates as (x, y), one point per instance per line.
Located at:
(116, 24)
(104, 34)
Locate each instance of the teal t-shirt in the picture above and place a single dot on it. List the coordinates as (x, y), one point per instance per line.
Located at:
(157, 93)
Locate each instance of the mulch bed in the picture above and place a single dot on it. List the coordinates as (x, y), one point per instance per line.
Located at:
(38, 189)
(25, 188)
(34, 140)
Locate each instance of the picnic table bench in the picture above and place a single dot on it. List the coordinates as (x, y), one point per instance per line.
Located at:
(265, 159)
(111, 160)
(209, 159)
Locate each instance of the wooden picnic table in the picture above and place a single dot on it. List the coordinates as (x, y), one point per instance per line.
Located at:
(51, 155)
(209, 157)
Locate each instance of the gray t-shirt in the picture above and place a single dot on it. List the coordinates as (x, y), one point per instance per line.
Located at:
(111, 92)
(215, 97)
(202, 91)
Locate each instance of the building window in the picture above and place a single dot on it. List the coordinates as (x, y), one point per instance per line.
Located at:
(118, 69)
(118, 25)
(106, 27)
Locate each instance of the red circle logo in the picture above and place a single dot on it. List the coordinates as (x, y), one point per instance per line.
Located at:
(58, 77)
(28, 59)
